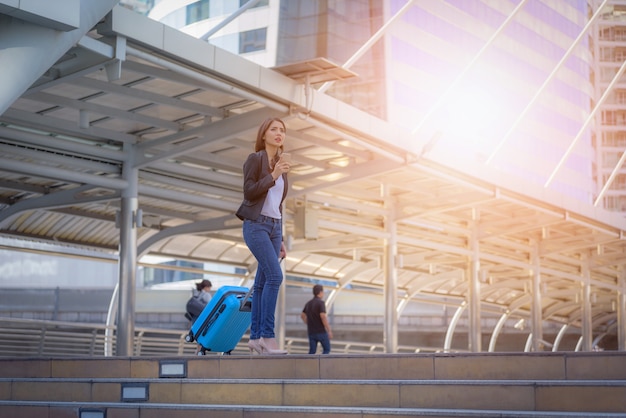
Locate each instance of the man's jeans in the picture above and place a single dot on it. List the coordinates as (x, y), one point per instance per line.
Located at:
(264, 237)
(321, 338)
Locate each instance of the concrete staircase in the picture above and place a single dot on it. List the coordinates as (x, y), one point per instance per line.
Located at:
(337, 386)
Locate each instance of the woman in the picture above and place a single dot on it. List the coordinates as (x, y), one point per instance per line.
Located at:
(200, 297)
(264, 190)
(202, 291)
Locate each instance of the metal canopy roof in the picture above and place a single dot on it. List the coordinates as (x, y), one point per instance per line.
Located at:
(186, 113)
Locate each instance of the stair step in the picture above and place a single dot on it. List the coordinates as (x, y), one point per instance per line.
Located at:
(335, 386)
(544, 395)
(517, 366)
(165, 410)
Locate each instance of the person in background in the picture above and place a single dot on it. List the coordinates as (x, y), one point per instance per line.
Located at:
(314, 316)
(203, 295)
(202, 291)
(200, 297)
(264, 190)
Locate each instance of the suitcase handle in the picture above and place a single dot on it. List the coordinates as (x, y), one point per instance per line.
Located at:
(246, 302)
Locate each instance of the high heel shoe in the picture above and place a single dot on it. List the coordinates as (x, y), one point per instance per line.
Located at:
(270, 346)
(254, 345)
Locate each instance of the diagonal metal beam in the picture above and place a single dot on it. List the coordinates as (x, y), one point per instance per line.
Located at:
(124, 90)
(227, 20)
(360, 171)
(332, 145)
(221, 131)
(104, 110)
(61, 126)
(83, 68)
(51, 143)
(386, 150)
(188, 198)
(23, 167)
(614, 173)
(193, 77)
(55, 200)
(370, 42)
(541, 89)
(27, 50)
(452, 87)
(590, 117)
(215, 224)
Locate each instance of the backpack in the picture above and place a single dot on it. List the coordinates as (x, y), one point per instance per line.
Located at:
(194, 307)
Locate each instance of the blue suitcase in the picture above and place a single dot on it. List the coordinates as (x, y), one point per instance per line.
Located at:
(223, 321)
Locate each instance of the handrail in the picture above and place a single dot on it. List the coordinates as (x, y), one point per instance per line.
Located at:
(41, 338)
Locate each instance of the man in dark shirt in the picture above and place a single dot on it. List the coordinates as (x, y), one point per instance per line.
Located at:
(314, 316)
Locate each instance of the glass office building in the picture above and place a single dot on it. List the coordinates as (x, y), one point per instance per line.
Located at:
(273, 33)
(474, 73)
(506, 84)
(609, 48)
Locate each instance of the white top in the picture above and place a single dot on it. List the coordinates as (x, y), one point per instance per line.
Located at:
(271, 206)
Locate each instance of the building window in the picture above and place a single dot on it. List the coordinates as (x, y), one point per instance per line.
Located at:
(614, 139)
(252, 40)
(197, 11)
(206, 9)
(259, 4)
(610, 158)
(617, 203)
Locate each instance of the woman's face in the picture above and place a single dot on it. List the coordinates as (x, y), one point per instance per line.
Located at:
(275, 135)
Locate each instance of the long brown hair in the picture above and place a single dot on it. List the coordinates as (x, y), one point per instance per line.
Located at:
(260, 142)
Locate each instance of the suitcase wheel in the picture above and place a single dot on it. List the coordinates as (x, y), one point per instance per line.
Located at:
(189, 337)
(202, 352)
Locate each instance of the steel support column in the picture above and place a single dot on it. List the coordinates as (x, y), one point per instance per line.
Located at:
(621, 310)
(281, 310)
(128, 223)
(447, 343)
(585, 317)
(474, 329)
(390, 258)
(536, 307)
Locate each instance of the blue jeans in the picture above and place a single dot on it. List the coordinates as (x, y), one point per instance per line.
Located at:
(321, 338)
(264, 237)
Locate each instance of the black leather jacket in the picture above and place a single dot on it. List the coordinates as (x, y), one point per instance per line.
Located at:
(257, 180)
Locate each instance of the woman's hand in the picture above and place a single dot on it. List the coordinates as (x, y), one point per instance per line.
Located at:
(283, 250)
(280, 168)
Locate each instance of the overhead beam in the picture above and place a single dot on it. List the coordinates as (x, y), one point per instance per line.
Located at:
(55, 200)
(214, 224)
(63, 175)
(128, 114)
(61, 126)
(221, 131)
(28, 50)
(128, 91)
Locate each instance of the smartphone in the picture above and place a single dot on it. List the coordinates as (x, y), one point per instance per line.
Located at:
(286, 157)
